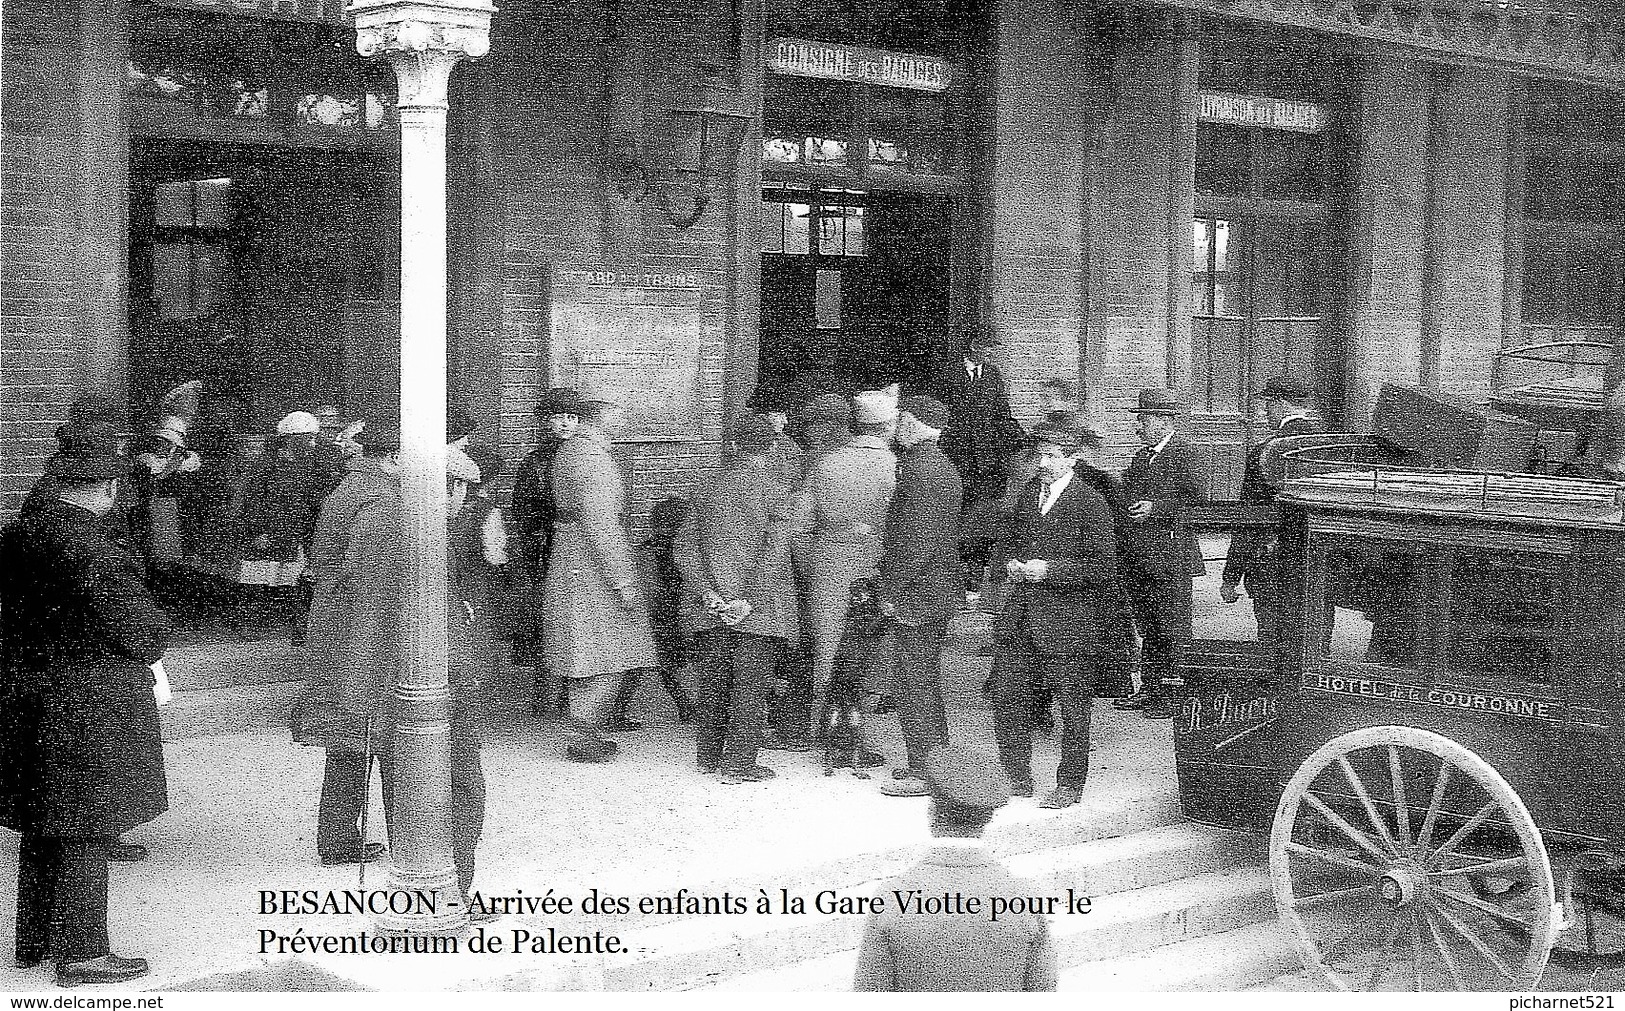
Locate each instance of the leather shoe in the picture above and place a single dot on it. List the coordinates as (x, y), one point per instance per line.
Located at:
(366, 855)
(775, 742)
(126, 852)
(1021, 787)
(1139, 700)
(905, 786)
(751, 774)
(107, 969)
(1061, 796)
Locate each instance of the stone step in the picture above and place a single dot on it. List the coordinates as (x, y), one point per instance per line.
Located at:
(1225, 961)
(1168, 913)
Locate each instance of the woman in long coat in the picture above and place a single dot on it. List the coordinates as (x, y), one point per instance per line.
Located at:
(594, 618)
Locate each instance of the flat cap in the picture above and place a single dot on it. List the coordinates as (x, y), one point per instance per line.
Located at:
(1286, 387)
(928, 411)
(827, 409)
(966, 779)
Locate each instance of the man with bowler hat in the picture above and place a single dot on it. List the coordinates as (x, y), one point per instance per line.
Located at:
(81, 760)
(1160, 485)
(1251, 561)
(1060, 561)
(949, 949)
(920, 582)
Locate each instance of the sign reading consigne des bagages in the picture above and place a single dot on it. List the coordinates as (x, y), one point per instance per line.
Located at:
(858, 64)
(638, 334)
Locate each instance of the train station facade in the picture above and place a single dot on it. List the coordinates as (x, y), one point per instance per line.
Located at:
(682, 198)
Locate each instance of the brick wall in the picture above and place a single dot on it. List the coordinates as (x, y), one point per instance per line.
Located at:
(1034, 197)
(39, 310)
(1469, 225)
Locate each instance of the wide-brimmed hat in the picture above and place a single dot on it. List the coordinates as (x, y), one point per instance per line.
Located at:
(1157, 401)
(559, 400)
(928, 411)
(962, 780)
(1284, 387)
(875, 407)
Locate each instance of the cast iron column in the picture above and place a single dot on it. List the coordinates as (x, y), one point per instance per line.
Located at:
(423, 41)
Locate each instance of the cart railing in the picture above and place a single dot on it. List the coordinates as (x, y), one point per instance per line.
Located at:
(1569, 374)
(1356, 473)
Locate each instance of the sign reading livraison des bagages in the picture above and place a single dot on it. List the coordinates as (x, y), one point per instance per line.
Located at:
(858, 64)
(1257, 110)
(636, 333)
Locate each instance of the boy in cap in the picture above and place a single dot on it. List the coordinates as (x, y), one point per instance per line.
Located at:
(920, 582)
(734, 553)
(952, 951)
(1162, 482)
(1251, 561)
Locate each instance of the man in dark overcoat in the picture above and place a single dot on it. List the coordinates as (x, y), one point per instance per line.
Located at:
(558, 415)
(951, 951)
(920, 582)
(81, 760)
(1252, 563)
(1060, 558)
(980, 439)
(739, 600)
(1160, 485)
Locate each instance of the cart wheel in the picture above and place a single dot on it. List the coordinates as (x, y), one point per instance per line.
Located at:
(1596, 904)
(1401, 860)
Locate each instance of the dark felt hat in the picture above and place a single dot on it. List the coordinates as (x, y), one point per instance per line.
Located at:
(92, 432)
(489, 460)
(1156, 401)
(1284, 387)
(670, 512)
(1068, 430)
(458, 423)
(89, 462)
(966, 779)
(559, 400)
(827, 409)
(929, 411)
(377, 439)
(769, 397)
(752, 433)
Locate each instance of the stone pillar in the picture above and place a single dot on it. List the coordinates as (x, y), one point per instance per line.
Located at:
(104, 202)
(423, 42)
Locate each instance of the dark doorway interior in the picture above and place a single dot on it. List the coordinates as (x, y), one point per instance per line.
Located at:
(855, 287)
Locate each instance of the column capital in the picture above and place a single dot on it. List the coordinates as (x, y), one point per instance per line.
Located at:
(423, 39)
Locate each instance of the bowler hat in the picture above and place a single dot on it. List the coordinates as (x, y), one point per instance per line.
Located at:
(1284, 387)
(966, 779)
(752, 433)
(458, 423)
(378, 439)
(559, 400)
(87, 462)
(1156, 401)
(1058, 430)
(928, 411)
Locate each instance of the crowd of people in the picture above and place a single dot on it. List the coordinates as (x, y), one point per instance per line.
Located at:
(809, 583)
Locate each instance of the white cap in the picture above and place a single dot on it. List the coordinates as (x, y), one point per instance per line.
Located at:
(171, 427)
(875, 406)
(299, 423)
(460, 465)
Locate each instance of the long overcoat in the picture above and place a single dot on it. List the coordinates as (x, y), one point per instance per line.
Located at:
(353, 645)
(919, 571)
(80, 752)
(587, 629)
(736, 543)
(476, 588)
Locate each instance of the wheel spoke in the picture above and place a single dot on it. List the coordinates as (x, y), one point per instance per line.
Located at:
(1477, 943)
(1365, 801)
(1359, 838)
(1402, 807)
(1334, 858)
(1476, 820)
(1444, 950)
(1484, 907)
(1435, 805)
(1416, 952)
(1326, 898)
(1487, 867)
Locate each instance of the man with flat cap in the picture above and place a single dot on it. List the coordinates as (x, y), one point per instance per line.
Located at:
(595, 620)
(1060, 560)
(1251, 562)
(558, 416)
(81, 760)
(739, 600)
(957, 951)
(920, 582)
(1160, 485)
